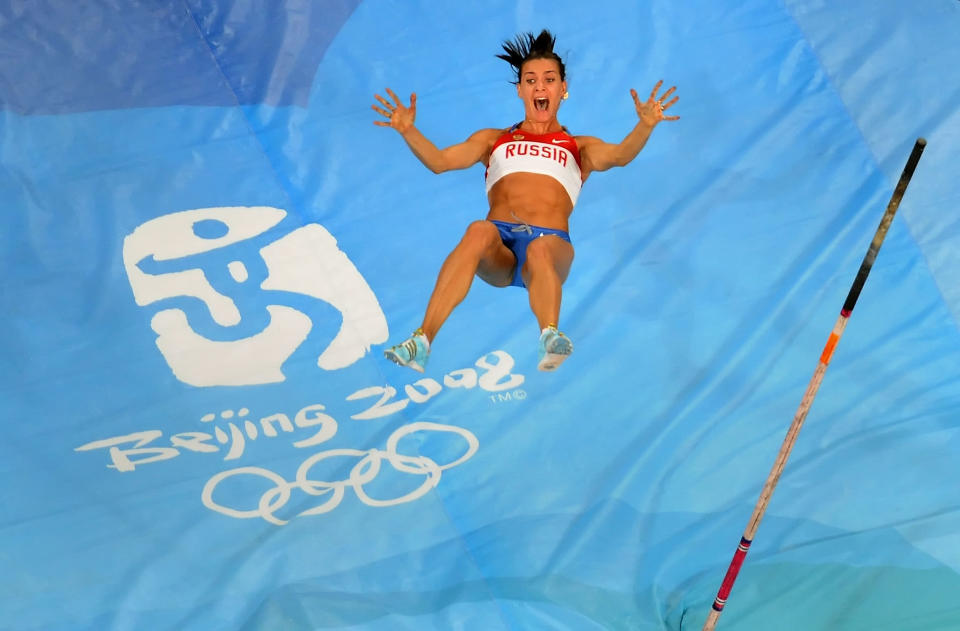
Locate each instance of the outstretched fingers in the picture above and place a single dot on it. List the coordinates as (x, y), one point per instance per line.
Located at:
(397, 103)
(393, 95)
(385, 111)
(656, 88)
(398, 115)
(668, 105)
(661, 102)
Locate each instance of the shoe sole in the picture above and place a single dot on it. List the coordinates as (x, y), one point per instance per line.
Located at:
(399, 362)
(551, 361)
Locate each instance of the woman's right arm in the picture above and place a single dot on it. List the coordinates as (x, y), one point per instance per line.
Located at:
(474, 149)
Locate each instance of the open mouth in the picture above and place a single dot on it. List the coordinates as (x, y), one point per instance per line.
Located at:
(541, 104)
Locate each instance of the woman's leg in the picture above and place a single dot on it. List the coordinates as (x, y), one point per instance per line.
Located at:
(480, 252)
(548, 262)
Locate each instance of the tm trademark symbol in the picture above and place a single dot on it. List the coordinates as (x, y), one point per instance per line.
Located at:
(515, 395)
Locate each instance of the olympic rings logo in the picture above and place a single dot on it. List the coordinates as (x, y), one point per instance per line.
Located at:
(365, 470)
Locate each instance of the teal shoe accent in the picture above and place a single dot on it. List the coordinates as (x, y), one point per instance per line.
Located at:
(412, 352)
(554, 347)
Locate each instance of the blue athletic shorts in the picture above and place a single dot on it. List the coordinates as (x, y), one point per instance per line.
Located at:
(517, 236)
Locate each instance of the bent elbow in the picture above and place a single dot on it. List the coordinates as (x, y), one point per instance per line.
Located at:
(622, 160)
(440, 164)
(612, 162)
(609, 161)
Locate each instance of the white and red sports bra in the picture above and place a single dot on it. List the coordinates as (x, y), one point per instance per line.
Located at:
(554, 154)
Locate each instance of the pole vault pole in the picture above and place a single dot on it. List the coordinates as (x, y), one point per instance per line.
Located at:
(812, 388)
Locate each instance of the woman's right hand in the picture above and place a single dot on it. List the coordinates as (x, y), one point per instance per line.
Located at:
(399, 116)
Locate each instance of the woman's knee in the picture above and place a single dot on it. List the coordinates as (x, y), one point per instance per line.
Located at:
(549, 254)
(539, 250)
(549, 249)
(480, 234)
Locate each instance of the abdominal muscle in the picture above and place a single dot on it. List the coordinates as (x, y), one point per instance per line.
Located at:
(531, 198)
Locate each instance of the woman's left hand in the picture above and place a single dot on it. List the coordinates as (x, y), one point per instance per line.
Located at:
(652, 111)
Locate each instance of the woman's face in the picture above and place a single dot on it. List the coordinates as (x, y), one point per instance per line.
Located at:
(541, 89)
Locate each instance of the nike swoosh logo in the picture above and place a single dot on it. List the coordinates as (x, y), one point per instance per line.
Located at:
(558, 140)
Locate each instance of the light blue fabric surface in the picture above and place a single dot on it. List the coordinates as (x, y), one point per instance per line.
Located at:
(206, 246)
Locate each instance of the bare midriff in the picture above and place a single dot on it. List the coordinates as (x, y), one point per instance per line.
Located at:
(530, 198)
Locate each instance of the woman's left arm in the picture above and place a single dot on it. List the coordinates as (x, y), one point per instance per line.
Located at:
(597, 155)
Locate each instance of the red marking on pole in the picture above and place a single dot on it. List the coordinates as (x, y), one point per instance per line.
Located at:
(732, 572)
(846, 312)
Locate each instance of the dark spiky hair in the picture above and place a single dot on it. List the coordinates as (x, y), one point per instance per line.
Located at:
(527, 46)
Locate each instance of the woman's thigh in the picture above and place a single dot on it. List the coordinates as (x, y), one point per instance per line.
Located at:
(548, 252)
(497, 261)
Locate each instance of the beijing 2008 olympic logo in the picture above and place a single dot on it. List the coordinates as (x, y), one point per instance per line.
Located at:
(366, 466)
(237, 292)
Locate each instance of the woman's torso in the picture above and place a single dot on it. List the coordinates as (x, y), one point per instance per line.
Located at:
(533, 178)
